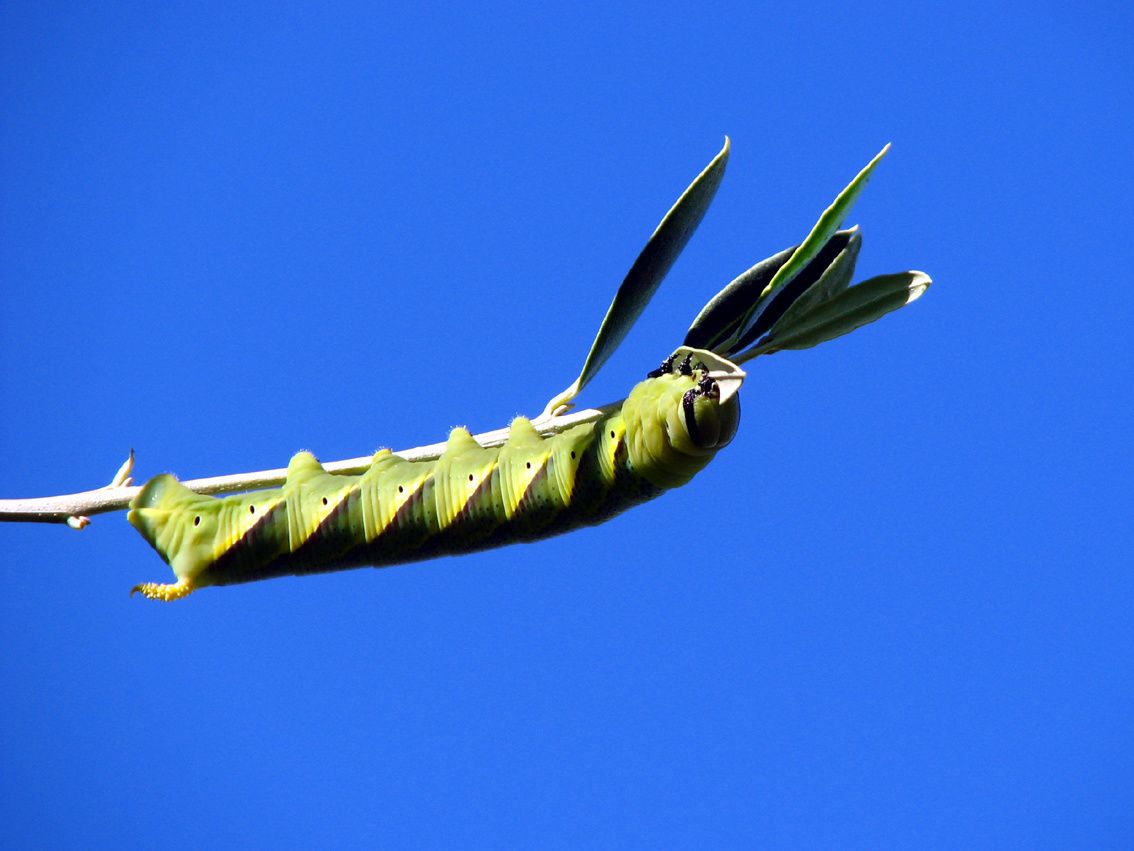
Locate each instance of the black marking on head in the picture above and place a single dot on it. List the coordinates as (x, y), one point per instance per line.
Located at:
(708, 387)
(665, 369)
(686, 367)
(687, 407)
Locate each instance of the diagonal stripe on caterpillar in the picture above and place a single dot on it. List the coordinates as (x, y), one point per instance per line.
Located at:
(471, 498)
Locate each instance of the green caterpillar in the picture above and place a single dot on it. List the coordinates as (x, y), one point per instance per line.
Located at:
(470, 498)
(536, 485)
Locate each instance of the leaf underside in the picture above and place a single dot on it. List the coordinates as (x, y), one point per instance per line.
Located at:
(721, 326)
(850, 309)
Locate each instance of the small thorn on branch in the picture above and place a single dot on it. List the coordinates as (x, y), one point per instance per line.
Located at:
(123, 478)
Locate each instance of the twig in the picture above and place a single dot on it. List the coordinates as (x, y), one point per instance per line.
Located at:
(76, 509)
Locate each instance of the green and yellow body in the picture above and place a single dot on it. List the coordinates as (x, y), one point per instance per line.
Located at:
(470, 498)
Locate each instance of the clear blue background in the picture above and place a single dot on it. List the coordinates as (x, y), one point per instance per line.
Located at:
(897, 611)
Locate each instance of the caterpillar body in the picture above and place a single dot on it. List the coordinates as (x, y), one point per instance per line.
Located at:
(470, 498)
(543, 482)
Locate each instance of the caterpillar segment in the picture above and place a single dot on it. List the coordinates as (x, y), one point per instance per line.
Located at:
(470, 498)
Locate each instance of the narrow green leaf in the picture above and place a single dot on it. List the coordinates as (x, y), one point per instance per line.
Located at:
(647, 273)
(834, 280)
(850, 309)
(772, 306)
(718, 325)
(738, 315)
(820, 235)
(828, 223)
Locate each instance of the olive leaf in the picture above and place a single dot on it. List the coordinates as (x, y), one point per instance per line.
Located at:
(835, 278)
(827, 225)
(745, 324)
(646, 275)
(739, 314)
(850, 309)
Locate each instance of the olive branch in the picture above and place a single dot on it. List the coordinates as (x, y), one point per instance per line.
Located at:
(796, 299)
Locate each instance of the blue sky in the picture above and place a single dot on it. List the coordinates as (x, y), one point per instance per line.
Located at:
(232, 231)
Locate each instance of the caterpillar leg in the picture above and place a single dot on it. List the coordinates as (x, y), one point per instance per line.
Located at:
(164, 591)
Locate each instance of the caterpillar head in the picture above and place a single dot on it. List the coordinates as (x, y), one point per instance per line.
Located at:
(682, 415)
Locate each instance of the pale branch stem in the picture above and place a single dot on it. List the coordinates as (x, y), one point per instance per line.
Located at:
(74, 509)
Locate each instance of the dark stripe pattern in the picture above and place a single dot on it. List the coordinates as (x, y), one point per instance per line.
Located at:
(471, 498)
